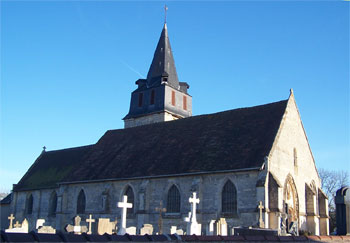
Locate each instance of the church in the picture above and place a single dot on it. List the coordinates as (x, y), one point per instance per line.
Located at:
(233, 160)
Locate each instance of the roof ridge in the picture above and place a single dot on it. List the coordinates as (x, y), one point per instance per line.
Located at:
(71, 148)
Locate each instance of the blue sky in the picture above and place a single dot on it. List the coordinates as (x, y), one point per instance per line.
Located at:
(68, 68)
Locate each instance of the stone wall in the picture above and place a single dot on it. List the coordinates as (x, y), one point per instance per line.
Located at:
(151, 192)
(291, 156)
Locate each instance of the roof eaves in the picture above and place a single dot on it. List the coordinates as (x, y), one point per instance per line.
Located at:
(162, 176)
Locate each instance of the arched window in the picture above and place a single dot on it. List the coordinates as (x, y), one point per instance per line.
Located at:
(81, 203)
(173, 202)
(130, 194)
(229, 198)
(30, 204)
(53, 204)
(153, 94)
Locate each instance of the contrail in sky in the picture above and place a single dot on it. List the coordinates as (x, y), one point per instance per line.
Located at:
(133, 69)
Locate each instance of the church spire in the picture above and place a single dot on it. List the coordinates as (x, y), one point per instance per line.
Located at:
(163, 69)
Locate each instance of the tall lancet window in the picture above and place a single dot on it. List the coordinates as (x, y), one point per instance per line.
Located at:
(29, 204)
(229, 198)
(173, 202)
(153, 95)
(81, 203)
(53, 204)
(130, 194)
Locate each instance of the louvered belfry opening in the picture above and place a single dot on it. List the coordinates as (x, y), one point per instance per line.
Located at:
(229, 198)
(173, 202)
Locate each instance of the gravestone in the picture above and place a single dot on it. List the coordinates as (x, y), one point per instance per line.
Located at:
(210, 227)
(173, 230)
(19, 228)
(46, 230)
(195, 228)
(188, 220)
(161, 210)
(147, 229)
(90, 220)
(105, 226)
(76, 228)
(124, 205)
(221, 227)
(39, 223)
(179, 232)
(342, 202)
(131, 230)
(11, 218)
(261, 221)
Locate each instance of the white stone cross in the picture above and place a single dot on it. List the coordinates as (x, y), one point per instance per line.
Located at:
(17, 224)
(11, 218)
(194, 200)
(261, 222)
(124, 205)
(90, 220)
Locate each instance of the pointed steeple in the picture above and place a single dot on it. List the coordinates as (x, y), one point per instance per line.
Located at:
(163, 69)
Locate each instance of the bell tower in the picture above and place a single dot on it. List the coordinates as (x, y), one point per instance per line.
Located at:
(160, 97)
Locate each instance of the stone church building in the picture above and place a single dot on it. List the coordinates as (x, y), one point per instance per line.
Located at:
(232, 159)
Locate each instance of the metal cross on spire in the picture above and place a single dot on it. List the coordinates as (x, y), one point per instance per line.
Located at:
(165, 9)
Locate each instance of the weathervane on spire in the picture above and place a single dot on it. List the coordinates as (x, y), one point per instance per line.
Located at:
(165, 9)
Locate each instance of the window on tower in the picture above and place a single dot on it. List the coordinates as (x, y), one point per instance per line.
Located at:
(184, 102)
(173, 98)
(140, 99)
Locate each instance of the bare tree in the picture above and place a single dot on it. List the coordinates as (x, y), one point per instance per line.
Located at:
(332, 181)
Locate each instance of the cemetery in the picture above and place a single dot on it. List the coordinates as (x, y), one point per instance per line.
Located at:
(108, 231)
(245, 174)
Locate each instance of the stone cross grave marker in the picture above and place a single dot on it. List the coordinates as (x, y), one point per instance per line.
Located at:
(76, 228)
(90, 220)
(160, 219)
(261, 221)
(17, 224)
(19, 228)
(195, 228)
(11, 218)
(124, 205)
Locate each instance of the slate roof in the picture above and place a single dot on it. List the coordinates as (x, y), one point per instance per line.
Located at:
(52, 167)
(163, 63)
(230, 140)
(6, 200)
